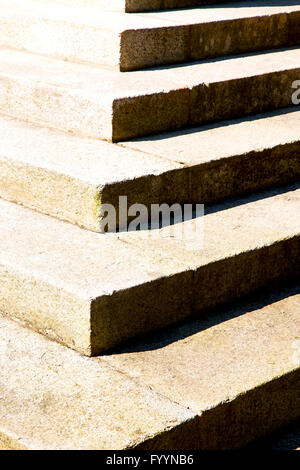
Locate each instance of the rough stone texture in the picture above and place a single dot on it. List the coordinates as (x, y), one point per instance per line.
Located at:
(218, 382)
(233, 157)
(212, 384)
(216, 31)
(88, 35)
(93, 291)
(236, 369)
(69, 177)
(105, 104)
(131, 42)
(53, 398)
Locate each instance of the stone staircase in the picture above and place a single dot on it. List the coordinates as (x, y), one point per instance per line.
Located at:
(148, 342)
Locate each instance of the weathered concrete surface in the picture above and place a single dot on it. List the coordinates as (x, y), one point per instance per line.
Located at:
(93, 291)
(53, 398)
(90, 35)
(131, 42)
(211, 384)
(238, 369)
(210, 32)
(232, 157)
(101, 103)
(70, 177)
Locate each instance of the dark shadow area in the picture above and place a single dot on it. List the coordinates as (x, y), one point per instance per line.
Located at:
(221, 206)
(224, 58)
(247, 199)
(217, 4)
(211, 318)
(217, 125)
(286, 438)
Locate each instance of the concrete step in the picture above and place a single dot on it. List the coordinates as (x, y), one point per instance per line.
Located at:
(227, 368)
(105, 104)
(94, 291)
(70, 177)
(54, 398)
(131, 42)
(133, 6)
(167, 393)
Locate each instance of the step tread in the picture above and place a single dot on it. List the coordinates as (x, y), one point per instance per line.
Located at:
(208, 363)
(107, 104)
(64, 175)
(89, 277)
(257, 341)
(70, 177)
(92, 161)
(101, 163)
(132, 42)
(116, 5)
(161, 19)
(224, 11)
(218, 141)
(113, 85)
(128, 398)
(78, 15)
(53, 398)
(135, 5)
(87, 271)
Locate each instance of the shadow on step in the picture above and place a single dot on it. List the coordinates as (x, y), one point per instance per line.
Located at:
(231, 4)
(209, 319)
(210, 208)
(257, 196)
(223, 58)
(287, 438)
(261, 3)
(219, 124)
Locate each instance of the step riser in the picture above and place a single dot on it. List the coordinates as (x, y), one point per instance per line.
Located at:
(113, 319)
(233, 278)
(245, 174)
(140, 48)
(68, 198)
(141, 116)
(133, 6)
(138, 116)
(204, 41)
(236, 423)
(92, 292)
(248, 345)
(78, 202)
(211, 286)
